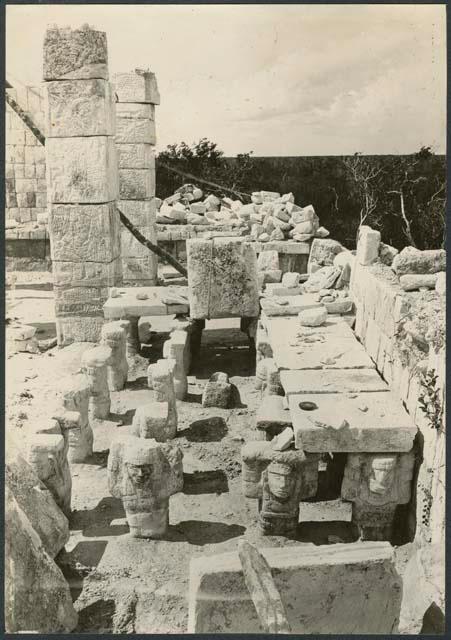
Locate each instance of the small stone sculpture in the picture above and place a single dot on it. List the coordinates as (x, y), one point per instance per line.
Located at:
(376, 484)
(152, 421)
(79, 437)
(218, 391)
(144, 474)
(175, 349)
(279, 480)
(47, 457)
(94, 364)
(160, 377)
(115, 337)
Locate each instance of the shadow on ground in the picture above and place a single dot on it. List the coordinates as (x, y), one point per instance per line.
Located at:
(200, 482)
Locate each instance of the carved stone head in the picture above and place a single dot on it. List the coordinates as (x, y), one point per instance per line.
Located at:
(281, 480)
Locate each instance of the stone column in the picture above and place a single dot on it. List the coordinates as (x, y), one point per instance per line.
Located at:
(137, 95)
(82, 180)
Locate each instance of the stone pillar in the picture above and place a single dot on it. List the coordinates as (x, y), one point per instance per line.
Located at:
(82, 180)
(137, 95)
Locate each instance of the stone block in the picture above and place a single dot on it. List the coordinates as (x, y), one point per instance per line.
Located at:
(412, 260)
(37, 503)
(268, 260)
(331, 381)
(135, 156)
(136, 184)
(313, 317)
(47, 455)
(416, 281)
(79, 301)
(272, 416)
(369, 422)
(140, 212)
(37, 596)
(137, 86)
(78, 329)
(81, 170)
(322, 278)
(87, 274)
(79, 108)
(356, 584)
(217, 391)
(368, 245)
(289, 306)
(140, 269)
(75, 54)
(323, 252)
(135, 110)
(222, 278)
(131, 248)
(291, 280)
(177, 348)
(129, 130)
(151, 421)
(84, 233)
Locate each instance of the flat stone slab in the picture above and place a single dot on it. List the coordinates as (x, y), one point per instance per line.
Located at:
(331, 589)
(284, 246)
(331, 381)
(360, 422)
(331, 346)
(127, 304)
(289, 305)
(271, 413)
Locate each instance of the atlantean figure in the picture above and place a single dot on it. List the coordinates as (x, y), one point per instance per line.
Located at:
(114, 336)
(160, 378)
(376, 484)
(47, 455)
(144, 474)
(279, 480)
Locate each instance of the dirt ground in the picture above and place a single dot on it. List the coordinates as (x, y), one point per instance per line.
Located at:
(125, 585)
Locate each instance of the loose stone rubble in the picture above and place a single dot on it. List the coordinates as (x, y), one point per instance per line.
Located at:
(348, 434)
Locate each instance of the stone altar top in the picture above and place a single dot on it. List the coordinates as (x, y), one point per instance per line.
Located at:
(160, 301)
(356, 422)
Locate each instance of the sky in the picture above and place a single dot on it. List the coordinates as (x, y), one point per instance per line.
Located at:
(278, 80)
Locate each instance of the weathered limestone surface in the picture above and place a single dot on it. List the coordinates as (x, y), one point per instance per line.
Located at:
(79, 108)
(144, 474)
(289, 306)
(412, 260)
(77, 433)
(47, 455)
(313, 317)
(81, 170)
(152, 301)
(356, 584)
(84, 233)
(75, 54)
(152, 421)
(160, 377)
(136, 184)
(114, 336)
(272, 416)
(140, 86)
(330, 346)
(413, 282)
(376, 484)
(332, 381)
(82, 177)
(94, 364)
(37, 597)
(279, 480)
(222, 278)
(176, 348)
(367, 422)
(217, 391)
(368, 245)
(322, 253)
(36, 501)
(139, 131)
(135, 156)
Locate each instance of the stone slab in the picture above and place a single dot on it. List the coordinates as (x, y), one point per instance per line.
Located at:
(84, 233)
(127, 304)
(222, 276)
(135, 156)
(137, 86)
(135, 110)
(331, 346)
(136, 184)
(271, 413)
(372, 422)
(129, 130)
(142, 270)
(278, 289)
(87, 274)
(332, 381)
(80, 108)
(78, 329)
(81, 170)
(294, 304)
(355, 584)
(283, 246)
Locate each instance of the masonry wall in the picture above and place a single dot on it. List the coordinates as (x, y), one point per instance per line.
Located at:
(25, 184)
(404, 333)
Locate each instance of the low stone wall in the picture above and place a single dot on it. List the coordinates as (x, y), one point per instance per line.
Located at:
(404, 333)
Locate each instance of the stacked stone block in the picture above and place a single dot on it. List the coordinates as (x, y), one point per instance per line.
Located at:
(25, 184)
(82, 180)
(137, 95)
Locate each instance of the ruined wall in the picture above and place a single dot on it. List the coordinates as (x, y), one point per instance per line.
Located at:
(25, 185)
(404, 333)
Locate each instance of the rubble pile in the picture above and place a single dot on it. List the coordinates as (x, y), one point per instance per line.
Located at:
(269, 217)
